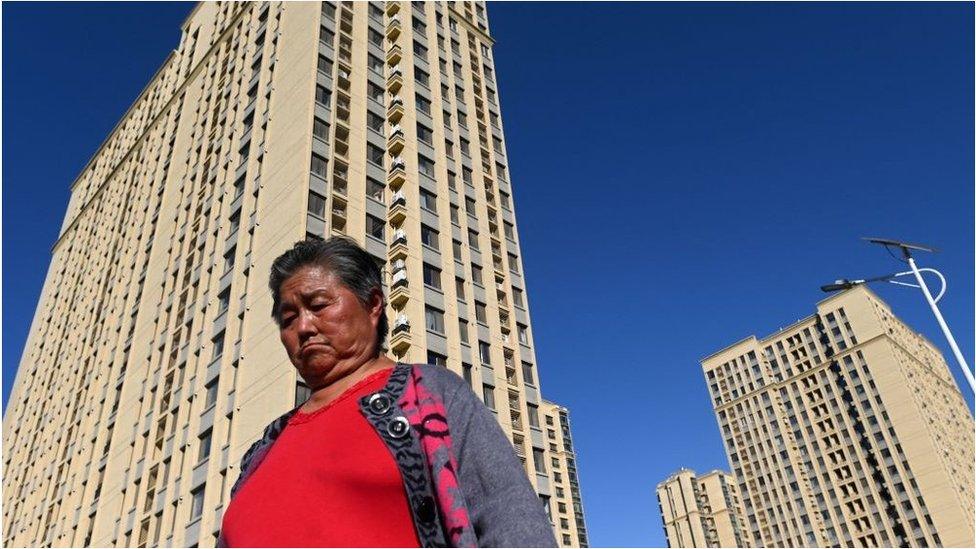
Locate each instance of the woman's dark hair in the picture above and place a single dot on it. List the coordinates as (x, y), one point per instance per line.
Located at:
(352, 265)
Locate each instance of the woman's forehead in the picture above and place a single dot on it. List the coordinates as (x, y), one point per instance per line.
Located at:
(308, 280)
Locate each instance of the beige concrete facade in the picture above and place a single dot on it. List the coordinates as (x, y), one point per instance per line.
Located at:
(566, 506)
(846, 429)
(152, 362)
(702, 511)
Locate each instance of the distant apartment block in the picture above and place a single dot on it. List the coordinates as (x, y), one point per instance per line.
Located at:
(153, 363)
(566, 507)
(846, 429)
(701, 511)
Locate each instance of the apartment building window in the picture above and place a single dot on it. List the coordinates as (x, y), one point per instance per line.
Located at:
(476, 272)
(320, 129)
(435, 320)
(326, 36)
(561, 507)
(325, 65)
(449, 149)
(428, 201)
(375, 122)
(425, 166)
(418, 26)
(229, 259)
(436, 359)
(423, 105)
(527, 375)
(316, 204)
(432, 276)
(456, 244)
(442, 63)
(322, 95)
(375, 12)
(480, 312)
(465, 147)
(459, 288)
(488, 394)
(328, 10)
(447, 117)
(375, 227)
(504, 199)
(518, 298)
(374, 189)
(223, 301)
(375, 63)
(419, 50)
(218, 345)
(376, 93)
(473, 239)
(468, 178)
(375, 37)
(466, 372)
(375, 154)
(196, 507)
(513, 263)
(533, 415)
(211, 397)
(538, 457)
(422, 78)
(455, 215)
(463, 330)
(509, 230)
(523, 334)
(320, 166)
(462, 118)
(425, 134)
(205, 440)
(429, 237)
(451, 180)
(501, 171)
(497, 144)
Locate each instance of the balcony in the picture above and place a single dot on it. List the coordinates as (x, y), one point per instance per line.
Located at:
(395, 81)
(398, 173)
(338, 214)
(395, 111)
(394, 55)
(398, 249)
(395, 142)
(400, 292)
(393, 27)
(392, 8)
(400, 340)
(398, 208)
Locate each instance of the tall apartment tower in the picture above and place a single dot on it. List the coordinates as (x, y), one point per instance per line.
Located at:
(567, 519)
(152, 361)
(702, 511)
(846, 429)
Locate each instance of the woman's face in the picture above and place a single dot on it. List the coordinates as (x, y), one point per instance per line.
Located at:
(325, 330)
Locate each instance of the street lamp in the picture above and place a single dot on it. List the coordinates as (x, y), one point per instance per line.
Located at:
(906, 248)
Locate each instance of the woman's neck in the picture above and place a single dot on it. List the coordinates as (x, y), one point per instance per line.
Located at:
(327, 393)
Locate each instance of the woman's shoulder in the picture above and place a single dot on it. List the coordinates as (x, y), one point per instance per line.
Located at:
(440, 379)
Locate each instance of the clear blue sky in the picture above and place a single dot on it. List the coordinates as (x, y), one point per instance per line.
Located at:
(684, 176)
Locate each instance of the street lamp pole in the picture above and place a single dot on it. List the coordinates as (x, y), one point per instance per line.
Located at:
(942, 323)
(917, 272)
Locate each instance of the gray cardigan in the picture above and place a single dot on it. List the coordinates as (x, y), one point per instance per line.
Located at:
(501, 506)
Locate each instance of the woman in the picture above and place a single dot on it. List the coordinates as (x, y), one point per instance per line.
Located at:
(381, 454)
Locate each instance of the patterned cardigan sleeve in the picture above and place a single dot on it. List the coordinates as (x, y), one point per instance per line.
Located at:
(504, 508)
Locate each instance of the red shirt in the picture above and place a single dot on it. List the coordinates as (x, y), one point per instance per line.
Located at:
(328, 481)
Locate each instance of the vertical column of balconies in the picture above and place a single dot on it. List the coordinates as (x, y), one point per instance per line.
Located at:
(401, 338)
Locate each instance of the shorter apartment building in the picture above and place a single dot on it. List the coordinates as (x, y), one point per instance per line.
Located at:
(702, 511)
(846, 429)
(567, 513)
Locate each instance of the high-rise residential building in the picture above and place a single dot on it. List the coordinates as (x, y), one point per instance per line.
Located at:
(846, 429)
(566, 505)
(152, 361)
(702, 511)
